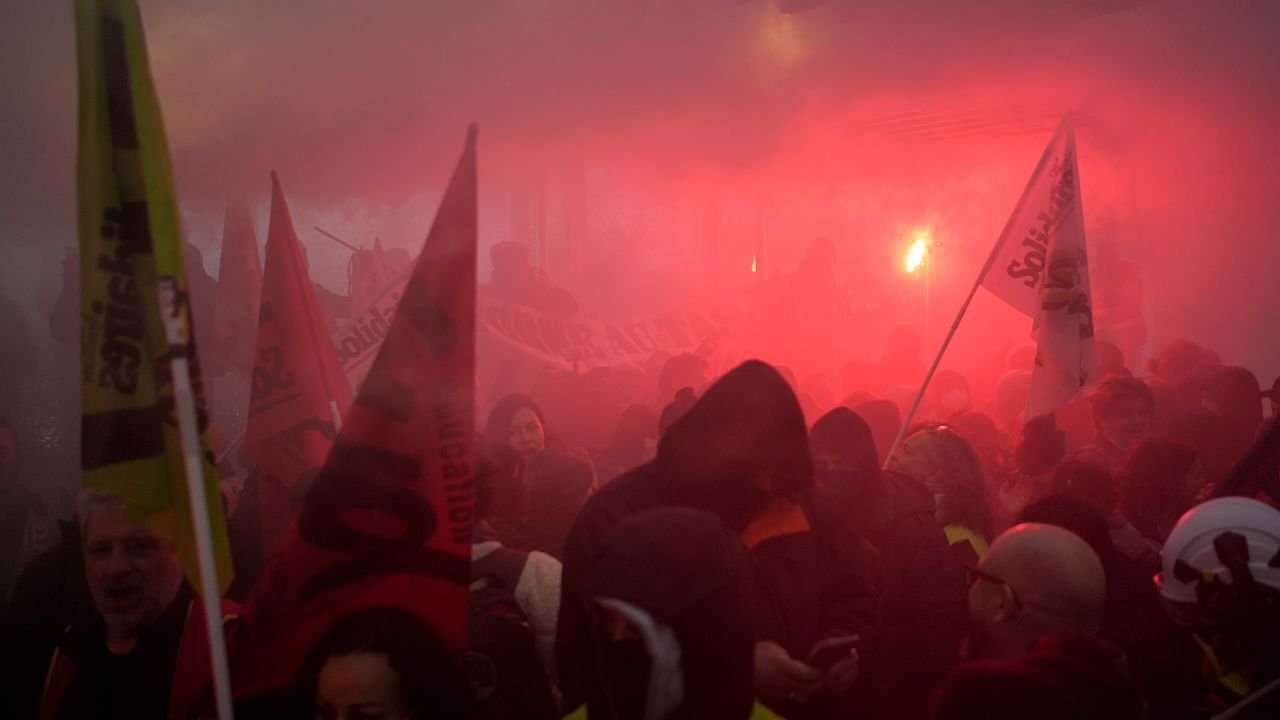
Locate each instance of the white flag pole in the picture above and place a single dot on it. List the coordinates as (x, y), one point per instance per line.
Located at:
(185, 407)
(986, 267)
(915, 405)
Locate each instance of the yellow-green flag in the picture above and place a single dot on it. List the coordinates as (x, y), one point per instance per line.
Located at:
(131, 247)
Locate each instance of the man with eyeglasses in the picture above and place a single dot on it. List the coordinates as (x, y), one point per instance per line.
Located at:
(1035, 580)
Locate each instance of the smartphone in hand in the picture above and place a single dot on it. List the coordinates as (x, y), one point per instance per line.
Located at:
(832, 650)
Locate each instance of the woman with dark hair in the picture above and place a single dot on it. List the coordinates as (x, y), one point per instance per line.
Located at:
(558, 482)
(1159, 482)
(947, 464)
(516, 420)
(380, 663)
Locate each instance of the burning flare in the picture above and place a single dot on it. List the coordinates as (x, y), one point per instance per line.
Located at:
(917, 251)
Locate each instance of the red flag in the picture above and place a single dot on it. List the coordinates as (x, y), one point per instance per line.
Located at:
(388, 520)
(235, 319)
(298, 385)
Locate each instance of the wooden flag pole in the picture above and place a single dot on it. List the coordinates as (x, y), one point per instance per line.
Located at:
(185, 409)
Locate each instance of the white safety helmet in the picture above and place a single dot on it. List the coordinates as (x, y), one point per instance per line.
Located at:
(1190, 557)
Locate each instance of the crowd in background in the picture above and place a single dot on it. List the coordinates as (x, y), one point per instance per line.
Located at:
(753, 546)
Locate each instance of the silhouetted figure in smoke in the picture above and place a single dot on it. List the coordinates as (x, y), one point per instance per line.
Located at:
(683, 403)
(1041, 446)
(1117, 301)
(1180, 371)
(64, 322)
(515, 279)
(335, 307)
(634, 442)
(947, 394)
(884, 419)
(684, 370)
(902, 363)
(1234, 393)
(1159, 481)
(19, 359)
(807, 309)
(50, 595)
(27, 528)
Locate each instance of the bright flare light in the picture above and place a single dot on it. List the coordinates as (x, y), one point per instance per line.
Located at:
(753, 263)
(917, 251)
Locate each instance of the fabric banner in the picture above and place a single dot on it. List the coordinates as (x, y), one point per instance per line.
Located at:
(543, 338)
(388, 520)
(1023, 248)
(131, 251)
(235, 315)
(298, 387)
(587, 344)
(1065, 348)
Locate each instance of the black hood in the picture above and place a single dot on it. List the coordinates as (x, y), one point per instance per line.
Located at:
(746, 425)
(844, 432)
(688, 571)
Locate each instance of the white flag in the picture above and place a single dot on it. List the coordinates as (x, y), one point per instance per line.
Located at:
(1040, 266)
(1016, 268)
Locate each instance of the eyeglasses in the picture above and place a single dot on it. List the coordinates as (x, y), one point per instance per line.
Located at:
(973, 575)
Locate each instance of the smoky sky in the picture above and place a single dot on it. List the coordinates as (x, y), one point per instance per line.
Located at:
(853, 120)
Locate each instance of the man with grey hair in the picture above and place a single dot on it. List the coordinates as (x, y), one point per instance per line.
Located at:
(1035, 580)
(147, 655)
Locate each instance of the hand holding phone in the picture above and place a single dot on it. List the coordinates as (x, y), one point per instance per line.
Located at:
(832, 650)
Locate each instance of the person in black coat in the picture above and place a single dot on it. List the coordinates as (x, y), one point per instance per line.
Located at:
(742, 453)
(924, 604)
(50, 595)
(671, 628)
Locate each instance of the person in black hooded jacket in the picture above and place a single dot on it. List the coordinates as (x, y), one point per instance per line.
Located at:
(742, 453)
(924, 601)
(670, 628)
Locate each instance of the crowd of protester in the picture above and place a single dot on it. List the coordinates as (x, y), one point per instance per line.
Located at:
(746, 546)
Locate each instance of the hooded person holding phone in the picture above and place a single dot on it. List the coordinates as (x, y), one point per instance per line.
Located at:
(742, 454)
